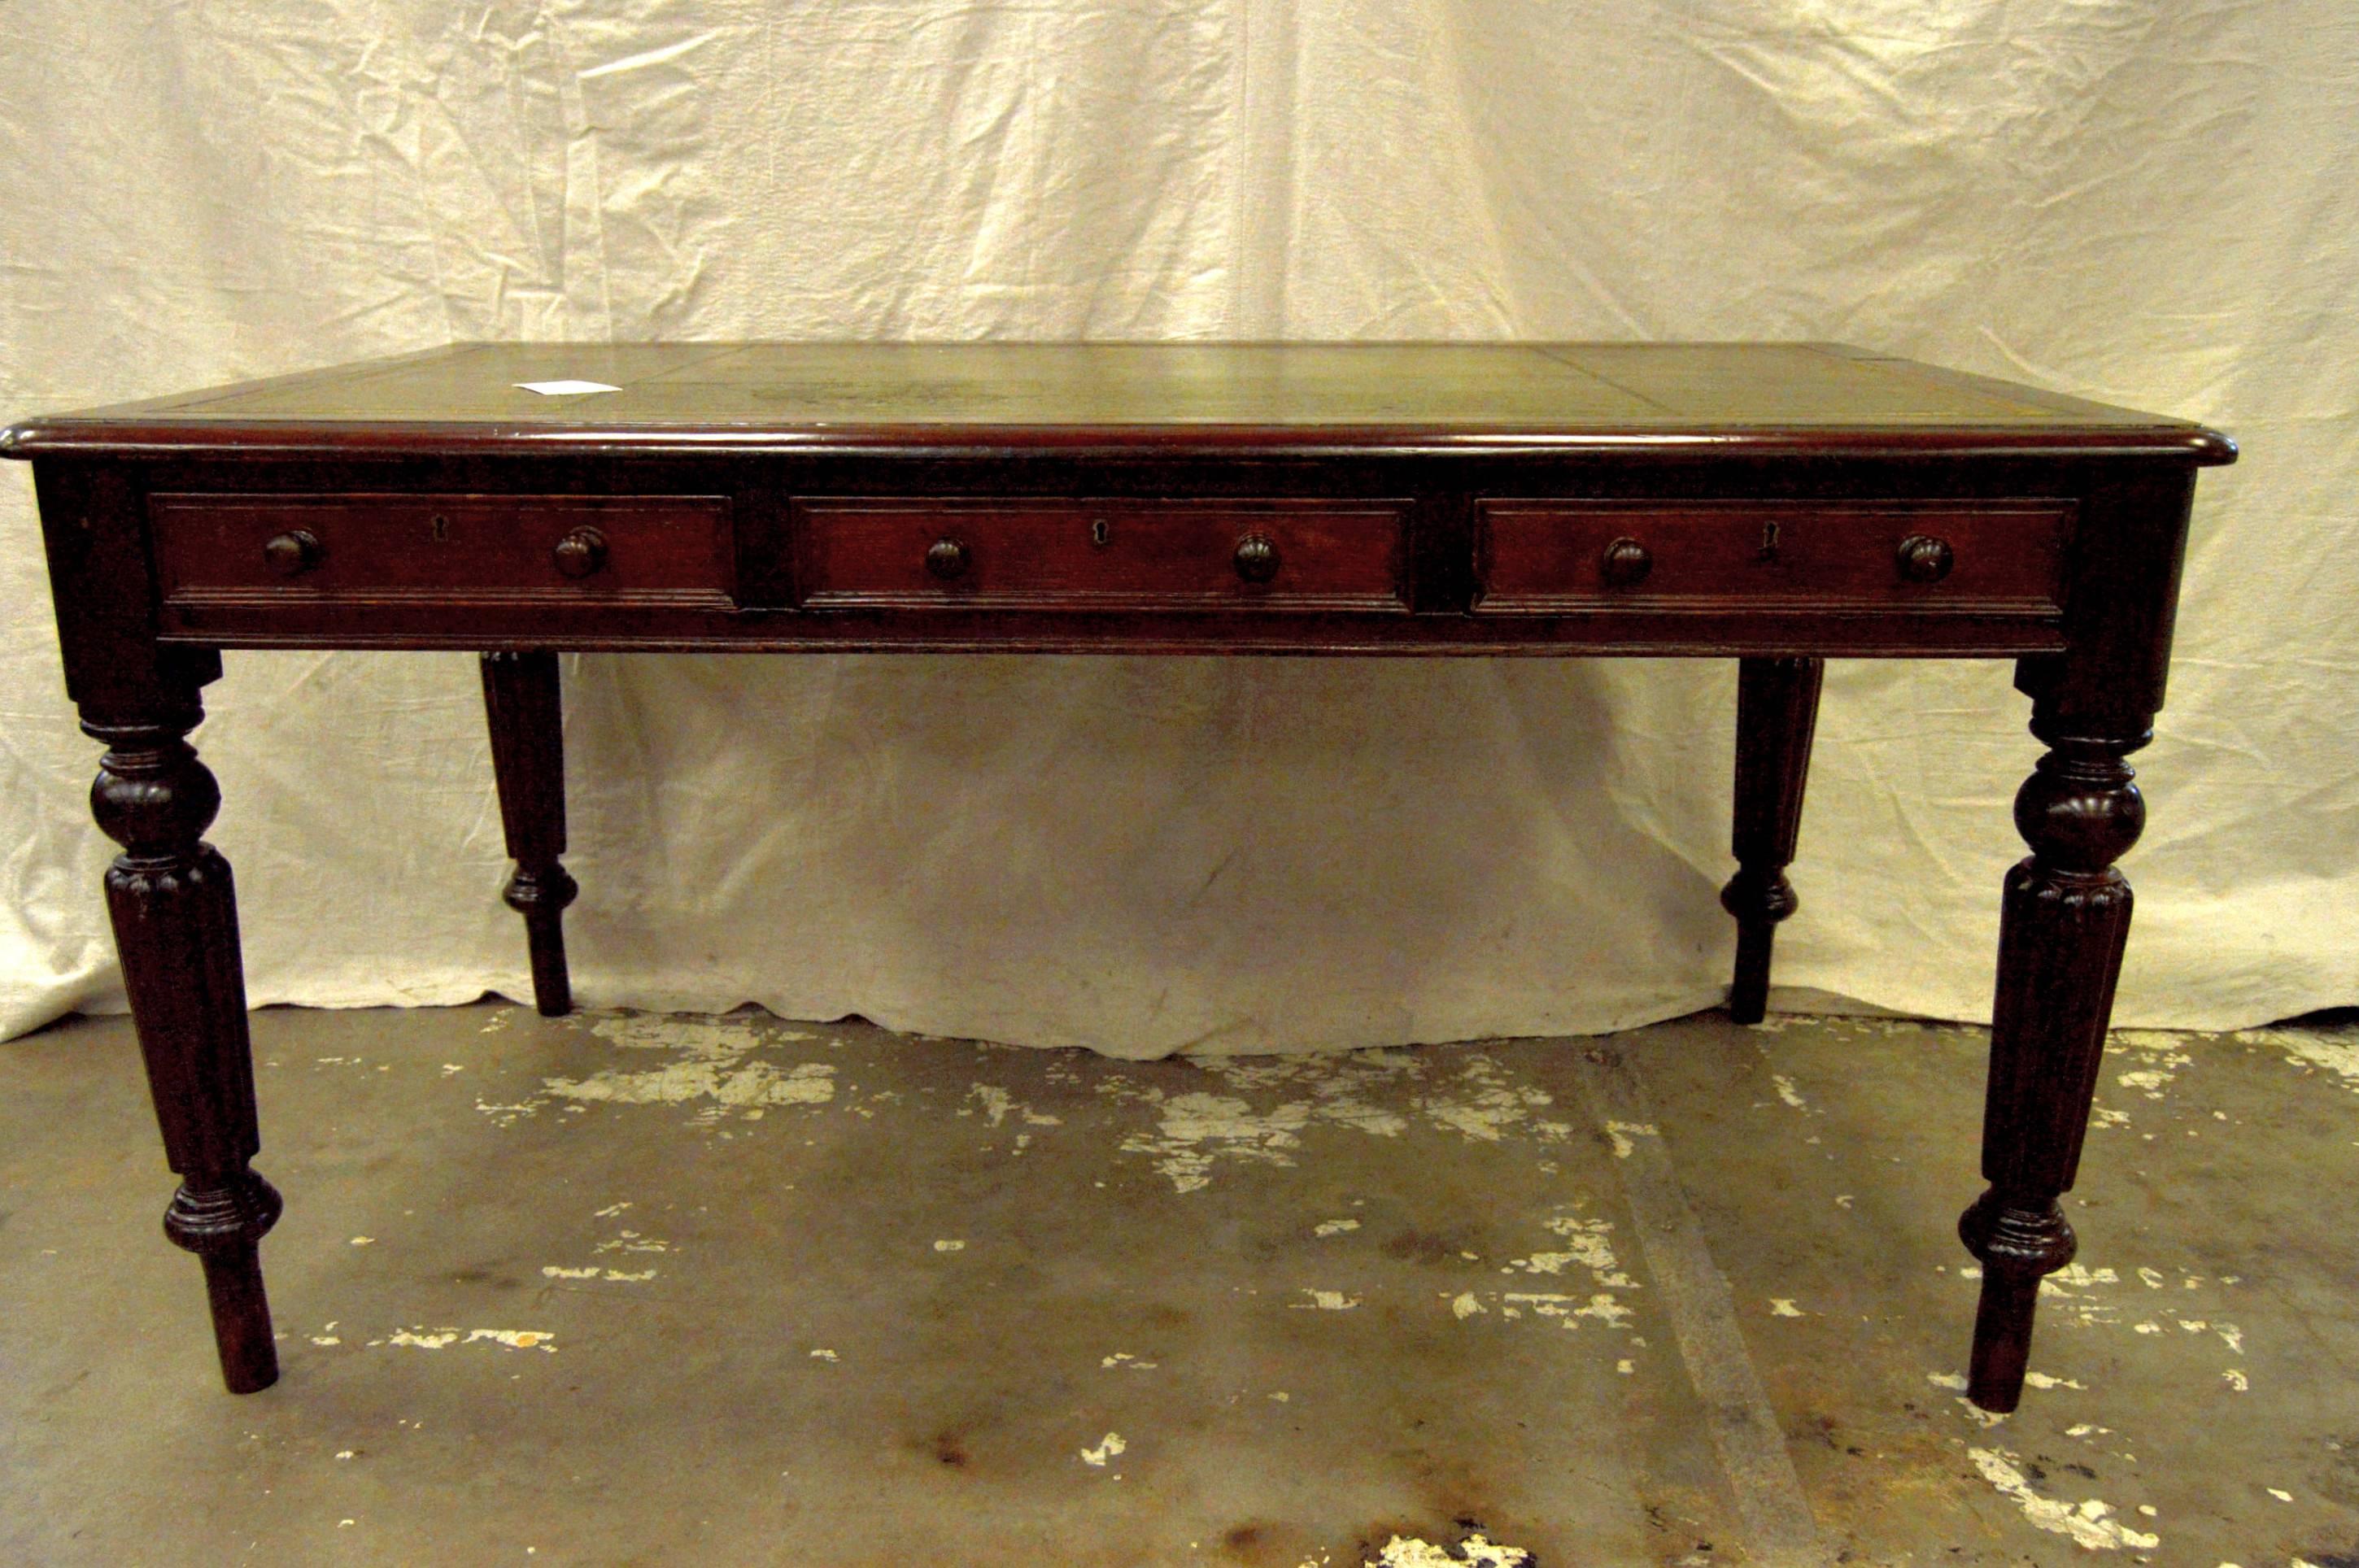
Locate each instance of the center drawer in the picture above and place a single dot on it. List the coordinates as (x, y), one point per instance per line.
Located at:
(922, 553)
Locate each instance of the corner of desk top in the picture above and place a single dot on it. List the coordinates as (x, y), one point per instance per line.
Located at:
(2212, 449)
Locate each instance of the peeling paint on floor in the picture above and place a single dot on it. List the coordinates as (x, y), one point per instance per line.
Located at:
(1489, 1240)
(716, 1070)
(1479, 1101)
(2091, 1523)
(1475, 1551)
(442, 1338)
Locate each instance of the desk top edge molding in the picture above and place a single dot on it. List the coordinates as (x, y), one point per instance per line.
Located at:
(1463, 398)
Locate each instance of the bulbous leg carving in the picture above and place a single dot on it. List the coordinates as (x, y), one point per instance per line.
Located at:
(1777, 711)
(522, 705)
(2062, 927)
(175, 915)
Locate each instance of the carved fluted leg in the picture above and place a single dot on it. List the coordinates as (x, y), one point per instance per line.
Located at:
(2061, 930)
(1776, 710)
(521, 701)
(175, 915)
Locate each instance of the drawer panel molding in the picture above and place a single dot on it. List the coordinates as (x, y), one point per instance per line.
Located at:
(938, 553)
(255, 551)
(2001, 558)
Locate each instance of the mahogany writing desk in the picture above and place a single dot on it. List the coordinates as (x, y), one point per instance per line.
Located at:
(1778, 505)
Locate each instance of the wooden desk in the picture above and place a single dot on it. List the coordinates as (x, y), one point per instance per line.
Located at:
(1778, 505)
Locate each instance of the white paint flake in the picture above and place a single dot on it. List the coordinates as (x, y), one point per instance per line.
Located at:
(949, 1245)
(1622, 1132)
(1783, 1306)
(1326, 1300)
(2161, 1053)
(1588, 1245)
(2090, 1524)
(1601, 1307)
(824, 1356)
(1588, 1248)
(1200, 1127)
(2235, 1378)
(1475, 1552)
(1334, 1227)
(1272, 1103)
(1788, 1092)
(443, 1338)
(1096, 1458)
(1953, 1381)
(632, 1241)
(1127, 1362)
(593, 1271)
(2336, 1055)
(715, 1067)
(1484, 1105)
(998, 1105)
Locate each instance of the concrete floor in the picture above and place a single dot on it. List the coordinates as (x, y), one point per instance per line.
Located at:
(627, 1289)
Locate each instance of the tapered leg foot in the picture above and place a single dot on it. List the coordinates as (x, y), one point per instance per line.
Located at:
(2062, 927)
(221, 1226)
(522, 703)
(175, 915)
(1776, 712)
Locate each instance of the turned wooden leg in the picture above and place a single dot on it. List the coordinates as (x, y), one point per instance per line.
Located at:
(2062, 930)
(1776, 710)
(520, 699)
(175, 915)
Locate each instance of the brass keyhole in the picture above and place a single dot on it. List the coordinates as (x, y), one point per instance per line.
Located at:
(1100, 531)
(1768, 541)
(439, 529)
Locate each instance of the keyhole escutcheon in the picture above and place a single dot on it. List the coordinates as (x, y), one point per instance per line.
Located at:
(1768, 541)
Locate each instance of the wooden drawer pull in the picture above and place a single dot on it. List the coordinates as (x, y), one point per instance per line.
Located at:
(581, 552)
(1924, 558)
(1627, 562)
(1256, 557)
(948, 560)
(293, 553)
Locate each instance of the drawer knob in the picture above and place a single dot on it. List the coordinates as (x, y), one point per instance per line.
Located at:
(581, 552)
(1256, 557)
(1924, 558)
(1627, 562)
(293, 553)
(947, 559)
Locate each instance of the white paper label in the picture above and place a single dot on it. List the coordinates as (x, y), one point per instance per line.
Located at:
(566, 388)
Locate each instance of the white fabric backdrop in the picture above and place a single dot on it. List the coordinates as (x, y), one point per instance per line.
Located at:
(2141, 201)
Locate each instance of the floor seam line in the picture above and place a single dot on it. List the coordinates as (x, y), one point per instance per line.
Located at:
(1782, 1531)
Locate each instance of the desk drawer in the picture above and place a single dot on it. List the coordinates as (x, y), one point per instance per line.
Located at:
(225, 550)
(1995, 557)
(931, 553)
